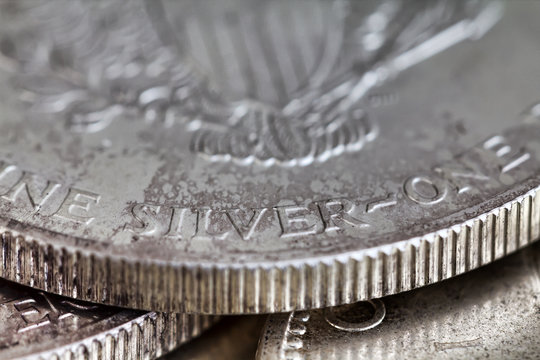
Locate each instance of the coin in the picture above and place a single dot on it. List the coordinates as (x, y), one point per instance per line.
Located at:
(37, 325)
(233, 338)
(488, 313)
(264, 156)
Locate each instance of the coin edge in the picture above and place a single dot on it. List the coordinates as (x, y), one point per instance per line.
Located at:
(243, 289)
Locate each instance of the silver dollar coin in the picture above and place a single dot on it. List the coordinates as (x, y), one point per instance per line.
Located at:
(488, 313)
(36, 325)
(262, 156)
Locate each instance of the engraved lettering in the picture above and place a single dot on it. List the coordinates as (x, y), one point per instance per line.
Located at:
(145, 219)
(389, 200)
(212, 224)
(8, 175)
(532, 115)
(298, 221)
(32, 317)
(40, 311)
(182, 225)
(425, 190)
(77, 206)
(480, 169)
(245, 222)
(379, 312)
(79, 306)
(513, 158)
(48, 198)
(336, 214)
(516, 162)
(460, 176)
(31, 190)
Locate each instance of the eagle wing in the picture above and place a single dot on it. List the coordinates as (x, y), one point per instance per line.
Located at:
(329, 117)
(90, 61)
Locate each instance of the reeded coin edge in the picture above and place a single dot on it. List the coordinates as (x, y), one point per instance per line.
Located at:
(148, 336)
(281, 287)
(282, 336)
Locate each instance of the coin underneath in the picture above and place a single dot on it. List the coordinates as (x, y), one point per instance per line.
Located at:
(488, 313)
(264, 156)
(36, 325)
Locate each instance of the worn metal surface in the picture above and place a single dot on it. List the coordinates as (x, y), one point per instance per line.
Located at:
(37, 325)
(246, 157)
(491, 312)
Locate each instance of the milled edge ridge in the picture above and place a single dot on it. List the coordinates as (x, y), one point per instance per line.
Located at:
(148, 336)
(311, 284)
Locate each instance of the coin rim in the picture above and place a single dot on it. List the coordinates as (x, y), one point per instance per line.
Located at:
(271, 287)
(133, 339)
(284, 334)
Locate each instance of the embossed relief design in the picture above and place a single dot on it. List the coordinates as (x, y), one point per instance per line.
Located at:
(28, 316)
(354, 318)
(269, 82)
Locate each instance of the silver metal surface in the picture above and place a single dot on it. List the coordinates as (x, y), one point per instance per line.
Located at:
(492, 312)
(243, 157)
(37, 325)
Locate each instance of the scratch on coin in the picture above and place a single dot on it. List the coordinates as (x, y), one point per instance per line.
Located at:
(442, 346)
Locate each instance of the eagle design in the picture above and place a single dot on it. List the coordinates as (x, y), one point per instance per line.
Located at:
(270, 82)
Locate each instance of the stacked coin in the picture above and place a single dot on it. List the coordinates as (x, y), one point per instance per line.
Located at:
(205, 158)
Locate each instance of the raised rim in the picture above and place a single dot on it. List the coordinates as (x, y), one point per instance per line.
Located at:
(135, 339)
(275, 287)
